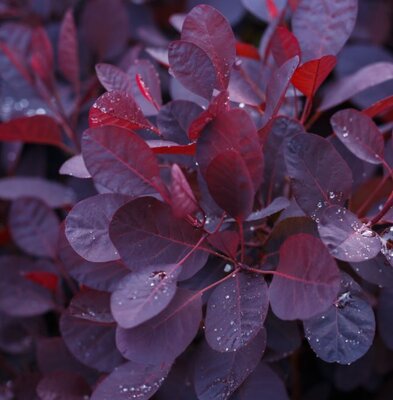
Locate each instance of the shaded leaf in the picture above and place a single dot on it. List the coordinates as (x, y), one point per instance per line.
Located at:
(307, 274)
(143, 294)
(359, 134)
(319, 176)
(152, 342)
(218, 375)
(345, 331)
(346, 237)
(34, 227)
(226, 241)
(193, 68)
(146, 233)
(230, 184)
(323, 26)
(121, 161)
(384, 312)
(264, 9)
(236, 311)
(87, 224)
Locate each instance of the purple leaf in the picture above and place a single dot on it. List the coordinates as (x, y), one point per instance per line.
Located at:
(146, 233)
(236, 311)
(175, 118)
(68, 51)
(365, 78)
(151, 80)
(377, 270)
(36, 129)
(319, 176)
(217, 375)
(193, 68)
(309, 277)
(232, 130)
(230, 184)
(75, 166)
(19, 296)
(153, 342)
(323, 26)
(359, 134)
(384, 312)
(89, 333)
(346, 237)
(262, 9)
(284, 45)
(209, 29)
(226, 241)
(262, 380)
(121, 161)
(87, 224)
(119, 109)
(113, 78)
(34, 227)
(277, 87)
(183, 199)
(131, 380)
(53, 194)
(99, 276)
(277, 205)
(345, 331)
(143, 294)
(277, 131)
(63, 386)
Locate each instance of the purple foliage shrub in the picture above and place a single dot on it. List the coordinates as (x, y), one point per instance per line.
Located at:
(186, 215)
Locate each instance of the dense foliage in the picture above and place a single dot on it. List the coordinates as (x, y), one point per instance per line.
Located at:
(196, 199)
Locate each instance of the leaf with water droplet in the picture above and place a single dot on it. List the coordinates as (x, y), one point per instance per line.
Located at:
(345, 331)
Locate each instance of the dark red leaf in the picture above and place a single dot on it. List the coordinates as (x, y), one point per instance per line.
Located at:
(347, 87)
(225, 241)
(236, 311)
(121, 161)
(346, 237)
(379, 107)
(345, 331)
(183, 199)
(34, 227)
(48, 280)
(310, 76)
(68, 50)
(230, 184)
(319, 176)
(87, 224)
(208, 29)
(143, 294)
(119, 109)
(323, 26)
(131, 380)
(193, 68)
(153, 342)
(309, 277)
(359, 134)
(146, 233)
(247, 50)
(36, 129)
(284, 45)
(217, 375)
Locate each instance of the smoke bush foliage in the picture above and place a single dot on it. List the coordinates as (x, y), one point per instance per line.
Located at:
(186, 215)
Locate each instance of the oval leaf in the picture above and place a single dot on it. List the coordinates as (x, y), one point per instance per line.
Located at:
(345, 331)
(309, 277)
(359, 134)
(346, 237)
(236, 311)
